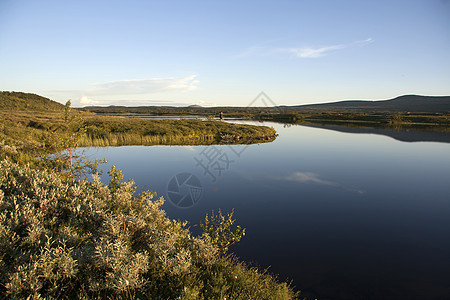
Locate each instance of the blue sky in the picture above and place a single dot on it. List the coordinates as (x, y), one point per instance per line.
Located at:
(224, 52)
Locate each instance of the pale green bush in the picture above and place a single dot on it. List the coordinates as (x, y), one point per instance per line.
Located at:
(63, 238)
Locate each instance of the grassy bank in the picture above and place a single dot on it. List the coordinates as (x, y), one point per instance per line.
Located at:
(131, 131)
(29, 117)
(113, 131)
(27, 135)
(438, 122)
(32, 126)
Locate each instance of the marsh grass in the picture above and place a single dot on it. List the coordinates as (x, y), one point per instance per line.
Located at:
(147, 140)
(34, 133)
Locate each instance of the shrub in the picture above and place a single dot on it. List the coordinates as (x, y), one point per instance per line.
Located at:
(65, 238)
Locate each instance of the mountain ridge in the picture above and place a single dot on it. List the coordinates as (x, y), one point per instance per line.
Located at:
(404, 103)
(400, 104)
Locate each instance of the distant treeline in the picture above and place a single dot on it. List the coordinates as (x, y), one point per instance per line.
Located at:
(371, 120)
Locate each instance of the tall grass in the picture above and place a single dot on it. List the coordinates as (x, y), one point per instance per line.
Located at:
(120, 139)
(94, 130)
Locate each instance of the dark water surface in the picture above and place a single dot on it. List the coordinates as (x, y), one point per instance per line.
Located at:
(342, 215)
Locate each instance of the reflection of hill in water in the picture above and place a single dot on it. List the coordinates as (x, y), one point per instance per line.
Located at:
(404, 135)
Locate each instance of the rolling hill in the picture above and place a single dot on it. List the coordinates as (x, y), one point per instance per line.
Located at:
(17, 101)
(401, 104)
(406, 103)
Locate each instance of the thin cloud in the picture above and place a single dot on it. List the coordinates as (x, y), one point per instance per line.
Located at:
(313, 52)
(300, 52)
(86, 101)
(131, 89)
(364, 42)
(144, 86)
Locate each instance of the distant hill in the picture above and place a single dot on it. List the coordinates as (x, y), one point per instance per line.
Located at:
(407, 103)
(16, 101)
(402, 104)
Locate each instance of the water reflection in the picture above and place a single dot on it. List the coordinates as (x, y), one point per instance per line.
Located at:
(343, 215)
(404, 135)
(308, 177)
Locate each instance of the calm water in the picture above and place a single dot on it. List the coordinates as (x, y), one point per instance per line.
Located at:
(342, 215)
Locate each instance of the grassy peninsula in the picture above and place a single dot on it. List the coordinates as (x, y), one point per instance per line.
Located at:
(33, 123)
(64, 235)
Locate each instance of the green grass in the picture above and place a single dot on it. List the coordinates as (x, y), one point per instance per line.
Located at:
(131, 131)
(34, 131)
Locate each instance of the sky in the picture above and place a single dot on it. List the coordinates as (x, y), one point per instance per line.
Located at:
(224, 53)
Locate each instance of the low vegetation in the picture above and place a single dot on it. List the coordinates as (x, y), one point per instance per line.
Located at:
(64, 238)
(438, 122)
(31, 125)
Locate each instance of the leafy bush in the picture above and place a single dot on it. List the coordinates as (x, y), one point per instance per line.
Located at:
(65, 238)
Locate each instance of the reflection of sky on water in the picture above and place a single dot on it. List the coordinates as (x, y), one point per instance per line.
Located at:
(308, 178)
(355, 213)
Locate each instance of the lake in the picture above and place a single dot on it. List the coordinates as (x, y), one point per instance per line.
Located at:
(344, 215)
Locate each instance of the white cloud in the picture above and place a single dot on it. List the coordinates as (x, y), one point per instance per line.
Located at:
(144, 86)
(130, 92)
(86, 101)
